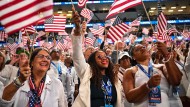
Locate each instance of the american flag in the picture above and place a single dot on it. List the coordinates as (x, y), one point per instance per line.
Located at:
(97, 31)
(86, 13)
(61, 45)
(117, 21)
(185, 34)
(116, 32)
(55, 24)
(12, 47)
(122, 5)
(47, 45)
(89, 40)
(162, 22)
(109, 22)
(136, 22)
(82, 3)
(17, 14)
(165, 36)
(3, 35)
(28, 30)
(172, 30)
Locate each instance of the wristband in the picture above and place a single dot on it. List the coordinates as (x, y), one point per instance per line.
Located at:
(17, 82)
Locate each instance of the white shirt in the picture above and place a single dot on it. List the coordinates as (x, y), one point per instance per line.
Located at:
(9, 73)
(52, 95)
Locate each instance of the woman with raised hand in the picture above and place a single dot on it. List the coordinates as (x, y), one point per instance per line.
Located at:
(99, 85)
(145, 85)
(33, 87)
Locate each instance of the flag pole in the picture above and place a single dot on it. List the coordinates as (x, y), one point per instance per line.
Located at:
(147, 15)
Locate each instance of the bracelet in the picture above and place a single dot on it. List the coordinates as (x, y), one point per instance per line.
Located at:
(17, 82)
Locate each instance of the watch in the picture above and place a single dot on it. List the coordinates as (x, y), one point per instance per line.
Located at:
(17, 82)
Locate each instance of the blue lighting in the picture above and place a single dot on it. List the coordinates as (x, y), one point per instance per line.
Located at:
(97, 2)
(102, 24)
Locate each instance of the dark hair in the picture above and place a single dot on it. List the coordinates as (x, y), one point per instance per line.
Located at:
(35, 52)
(3, 64)
(96, 74)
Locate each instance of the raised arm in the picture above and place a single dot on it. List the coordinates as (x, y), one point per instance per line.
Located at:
(173, 73)
(78, 57)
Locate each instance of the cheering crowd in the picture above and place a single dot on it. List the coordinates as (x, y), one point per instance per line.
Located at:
(136, 75)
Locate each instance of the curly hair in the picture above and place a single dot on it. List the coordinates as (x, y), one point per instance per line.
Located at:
(96, 74)
(3, 64)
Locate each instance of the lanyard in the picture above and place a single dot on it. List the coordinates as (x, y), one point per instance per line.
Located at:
(179, 62)
(150, 69)
(107, 89)
(58, 68)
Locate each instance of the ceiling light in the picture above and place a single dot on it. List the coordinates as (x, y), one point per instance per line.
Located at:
(163, 8)
(180, 10)
(70, 11)
(170, 10)
(151, 11)
(183, 7)
(153, 8)
(69, 15)
(173, 7)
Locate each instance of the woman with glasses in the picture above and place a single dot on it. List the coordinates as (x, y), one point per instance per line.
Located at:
(99, 86)
(33, 87)
(146, 84)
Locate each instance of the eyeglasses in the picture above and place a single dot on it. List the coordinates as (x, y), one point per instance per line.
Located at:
(40, 56)
(102, 57)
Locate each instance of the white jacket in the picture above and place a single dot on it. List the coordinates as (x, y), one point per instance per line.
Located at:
(52, 95)
(84, 73)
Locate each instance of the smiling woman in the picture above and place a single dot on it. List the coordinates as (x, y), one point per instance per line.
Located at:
(33, 87)
(99, 86)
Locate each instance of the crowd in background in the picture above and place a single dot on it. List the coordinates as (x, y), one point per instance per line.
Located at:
(111, 76)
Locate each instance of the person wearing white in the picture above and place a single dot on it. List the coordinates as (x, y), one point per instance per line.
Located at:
(58, 69)
(187, 68)
(124, 62)
(33, 87)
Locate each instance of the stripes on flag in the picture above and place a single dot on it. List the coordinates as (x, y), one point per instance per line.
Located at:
(61, 46)
(165, 36)
(136, 22)
(17, 14)
(122, 5)
(98, 31)
(3, 35)
(29, 30)
(172, 30)
(55, 24)
(162, 22)
(185, 34)
(82, 3)
(89, 41)
(86, 13)
(47, 45)
(12, 47)
(115, 33)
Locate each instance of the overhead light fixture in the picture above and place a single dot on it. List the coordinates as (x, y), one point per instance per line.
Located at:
(173, 7)
(59, 11)
(163, 8)
(170, 10)
(151, 11)
(70, 11)
(69, 15)
(183, 7)
(153, 8)
(180, 10)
